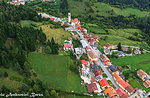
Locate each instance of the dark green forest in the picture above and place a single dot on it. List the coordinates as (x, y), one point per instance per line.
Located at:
(140, 4)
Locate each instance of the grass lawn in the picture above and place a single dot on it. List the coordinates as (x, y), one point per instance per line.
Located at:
(102, 9)
(57, 34)
(9, 83)
(139, 61)
(113, 39)
(55, 71)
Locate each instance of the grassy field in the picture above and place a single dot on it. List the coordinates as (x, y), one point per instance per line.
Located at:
(57, 34)
(8, 82)
(114, 36)
(55, 71)
(138, 61)
(106, 10)
(27, 23)
(112, 39)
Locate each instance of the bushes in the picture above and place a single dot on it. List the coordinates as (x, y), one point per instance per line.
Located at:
(1, 74)
(5, 74)
(15, 78)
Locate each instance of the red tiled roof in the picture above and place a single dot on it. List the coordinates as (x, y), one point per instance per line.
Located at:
(93, 79)
(67, 45)
(147, 83)
(141, 73)
(69, 38)
(97, 72)
(104, 82)
(123, 83)
(130, 89)
(108, 45)
(84, 62)
(91, 87)
(52, 19)
(95, 62)
(122, 93)
(95, 37)
(92, 54)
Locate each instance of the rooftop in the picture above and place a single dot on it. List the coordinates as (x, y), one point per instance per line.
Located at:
(122, 93)
(141, 73)
(130, 89)
(110, 91)
(147, 83)
(91, 87)
(104, 83)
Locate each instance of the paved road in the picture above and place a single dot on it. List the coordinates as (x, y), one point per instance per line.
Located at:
(100, 63)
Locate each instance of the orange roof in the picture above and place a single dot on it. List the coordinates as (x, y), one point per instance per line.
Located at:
(118, 78)
(141, 73)
(75, 20)
(123, 83)
(110, 91)
(147, 83)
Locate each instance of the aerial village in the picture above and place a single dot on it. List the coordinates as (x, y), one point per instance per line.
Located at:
(97, 72)
(22, 2)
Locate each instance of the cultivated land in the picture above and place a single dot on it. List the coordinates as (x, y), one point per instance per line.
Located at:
(13, 81)
(102, 9)
(55, 71)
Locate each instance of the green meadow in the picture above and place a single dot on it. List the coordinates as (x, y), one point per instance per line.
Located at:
(54, 70)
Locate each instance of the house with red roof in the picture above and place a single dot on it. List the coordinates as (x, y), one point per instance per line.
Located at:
(92, 88)
(104, 58)
(122, 93)
(129, 89)
(108, 46)
(85, 63)
(141, 74)
(98, 75)
(92, 55)
(52, 19)
(67, 46)
(123, 84)
(147, 83)
(110, 91)
(104, 83)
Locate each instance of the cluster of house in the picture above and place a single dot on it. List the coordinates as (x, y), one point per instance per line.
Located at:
(68, 44)
(92, 76)
(90, 72)
(145, 77)
(55, 19)
(109, 49)
(17, 2)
